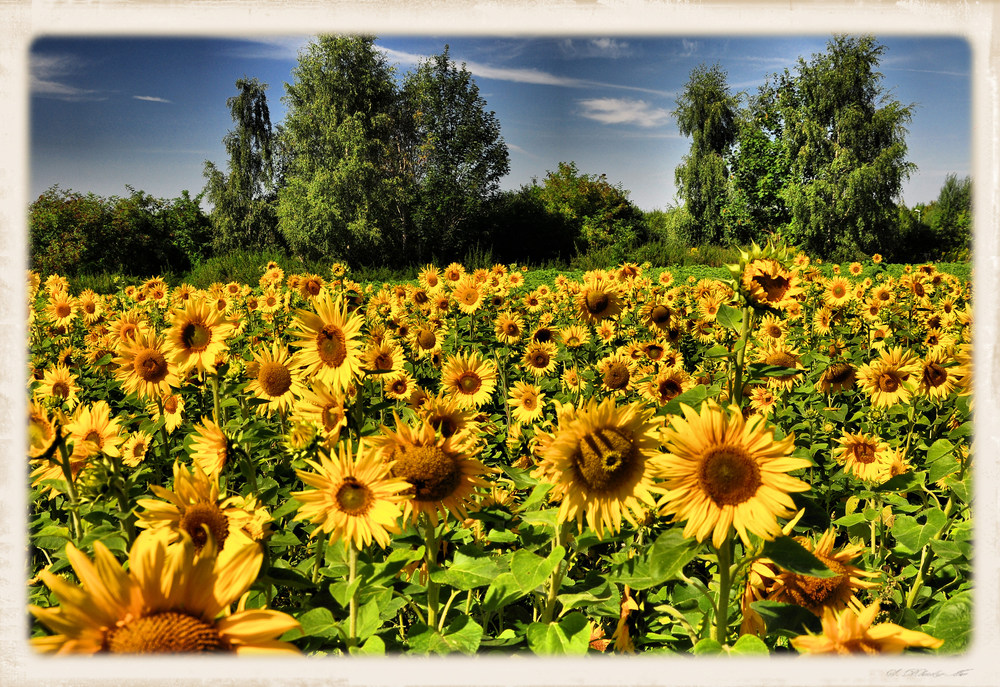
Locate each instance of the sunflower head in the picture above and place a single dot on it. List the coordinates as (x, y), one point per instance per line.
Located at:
(764, 277)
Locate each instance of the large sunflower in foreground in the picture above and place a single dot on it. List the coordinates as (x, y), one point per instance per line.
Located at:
(469, 378)
(327, 343)
(198, 336)
(353, 498)
(723, 472)
(600, 461)
(850, 631)
(441, 471)
(171, 600)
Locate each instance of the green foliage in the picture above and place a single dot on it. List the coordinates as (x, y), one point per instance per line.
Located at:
(60, 224)
(244, 202)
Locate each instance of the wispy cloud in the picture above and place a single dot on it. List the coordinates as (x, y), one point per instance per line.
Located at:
(49, 74)
(928, 71)
(518, 149)
(283, 48)
(623, 111)
(151, 99)
(595, 47)
(519, 75)
(688, 48)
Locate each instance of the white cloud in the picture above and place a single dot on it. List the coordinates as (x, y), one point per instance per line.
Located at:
(595, 47)
(284, 48)
(48, 73)
(624, 111)
(151, 99)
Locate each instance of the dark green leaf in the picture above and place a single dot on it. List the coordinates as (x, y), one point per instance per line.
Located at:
(319, 622)
(669, 554)
(461, 635)
(466, 572)
(570, 636)
(912, 534)
(952, 622)
(788, 620)
(502, 591)
(729, 317)
(792, 556)
(939, 448)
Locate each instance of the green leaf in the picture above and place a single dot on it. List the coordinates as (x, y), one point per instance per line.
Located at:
(952, 622)
(284, 509)
(467, 572)
(692, 397)
(942, 467)
(960, 487)
(852, 519)
(789, 620)
(369, 619)
(792, 556)
(749, 645)
(319, 622)
(522, 479)
(707, 647)
(939, 448)
(716, 351)
(342, 591)
(501, 536)
(913, 535)
(502, 591)
(288, 577)
(669, 554)
(531, 570)
(729, 317)
(570, 636)
(590, 597)
(373, 647)
(462, 635)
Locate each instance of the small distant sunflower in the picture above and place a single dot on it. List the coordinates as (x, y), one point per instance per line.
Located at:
(600, 461)
(59, 384)
(866, 457)
(276, 381)
(385, 357)
(598, 301)
(573, 380)
(327, 342)
(527, 401)
(426, 339)
(773, 329)
(442, 472)
(850, 631)
(453, 272)
(399, 386)
(838, 292)
(429, 278)
(762, 400)
(936, 378)
(509, 327)
(616, 372)
(540, 358)
(892, 378)
(310, 285)
(172, 406)
(172, 600)
(135, 448)
(209, 447)
(668, 383)
(143, 368)
(61, 310)
(198, 336)
(724, 472)
(574, 336)
(469, 378)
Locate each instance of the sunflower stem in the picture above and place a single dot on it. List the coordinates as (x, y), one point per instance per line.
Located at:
(556, 578)
(74, 501)
(352, 574)
(320, 551)
(213, 381)
(724, 556)
(737, 391)
(164, 441)
(430, 558)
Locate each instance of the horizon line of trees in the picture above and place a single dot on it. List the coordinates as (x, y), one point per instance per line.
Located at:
(373, 171)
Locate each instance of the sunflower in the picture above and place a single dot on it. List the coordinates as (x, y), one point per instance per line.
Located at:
(441, 472)
(837, 377)
(326, 338)
(782, 356)
(399, 386)
(509, 327)
(198, 336)
(429, 278)
(353, 497)
(453, 272)
(527, 401)
(469, 378)
(616, 371)
(385, 357)
(135, 448)
(209, 447)
(772, 329)
(275, 380)
(92, 430)
(666, 385)
(446, 415)
(573, 380)
(426, 339)
(837, 292)
(172, 600)
(850, 631)
(597, 301)
(61, 310)
(59, 384)
(540, 359)
(726, 472)
(310, 285)
(171, 408)
(892, 378)
(143, 368)
(866, 457)
(818, 593)
(762, 400)
(194, 507)
(322, 407)
(600, 461)
(766, 283)
(468, 296)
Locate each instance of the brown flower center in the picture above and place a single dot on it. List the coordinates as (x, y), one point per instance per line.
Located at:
(60, 389)
(170, 404)
(63, 309)
(542, 335)
(660, 315)
(469, 382)
(604, 460)
(353, 497)
(597, 302)
(426, 339)
(668, 389)
(195, 336)
(151, 366)
(815, 592)
(654, 351)
(201, 515)
(512, 329)
(331, 345)
(274, 378)
(539, 359)
(934, 375)
(165, 633)
(433, 473)
(616, 376)
(729, 475)
(383, 361)
(774, 288)
(864, 453)
(888, 382)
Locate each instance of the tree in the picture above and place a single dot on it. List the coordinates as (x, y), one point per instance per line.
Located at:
(345, 194)
(245, 202)
(458, 154)
(707, 112)
(950, 218)
(844, 136)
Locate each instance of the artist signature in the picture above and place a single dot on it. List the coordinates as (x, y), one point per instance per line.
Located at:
(921, 672)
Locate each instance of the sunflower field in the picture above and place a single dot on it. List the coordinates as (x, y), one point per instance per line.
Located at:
(633, 461)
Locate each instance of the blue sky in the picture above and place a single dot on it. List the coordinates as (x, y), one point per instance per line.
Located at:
(107, 112)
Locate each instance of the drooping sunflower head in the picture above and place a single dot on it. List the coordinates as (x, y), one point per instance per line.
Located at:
(837, 377)
(600, 461)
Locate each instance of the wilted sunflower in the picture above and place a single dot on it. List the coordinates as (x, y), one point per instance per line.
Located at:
(598, 300)
(837, 377)
(194, 507)
(892, 378)
(600, 461)
(198, 336)
(527, 401)
(442, 472)
(172, 600)
(41, 430)
(353, 497)
(539, 358)
(866, 457)
(209, 447)
(818, 593)
(327, 342)
(275, 381)
(143, 368)
(469, 378)
(850, 631)
(723, 472)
